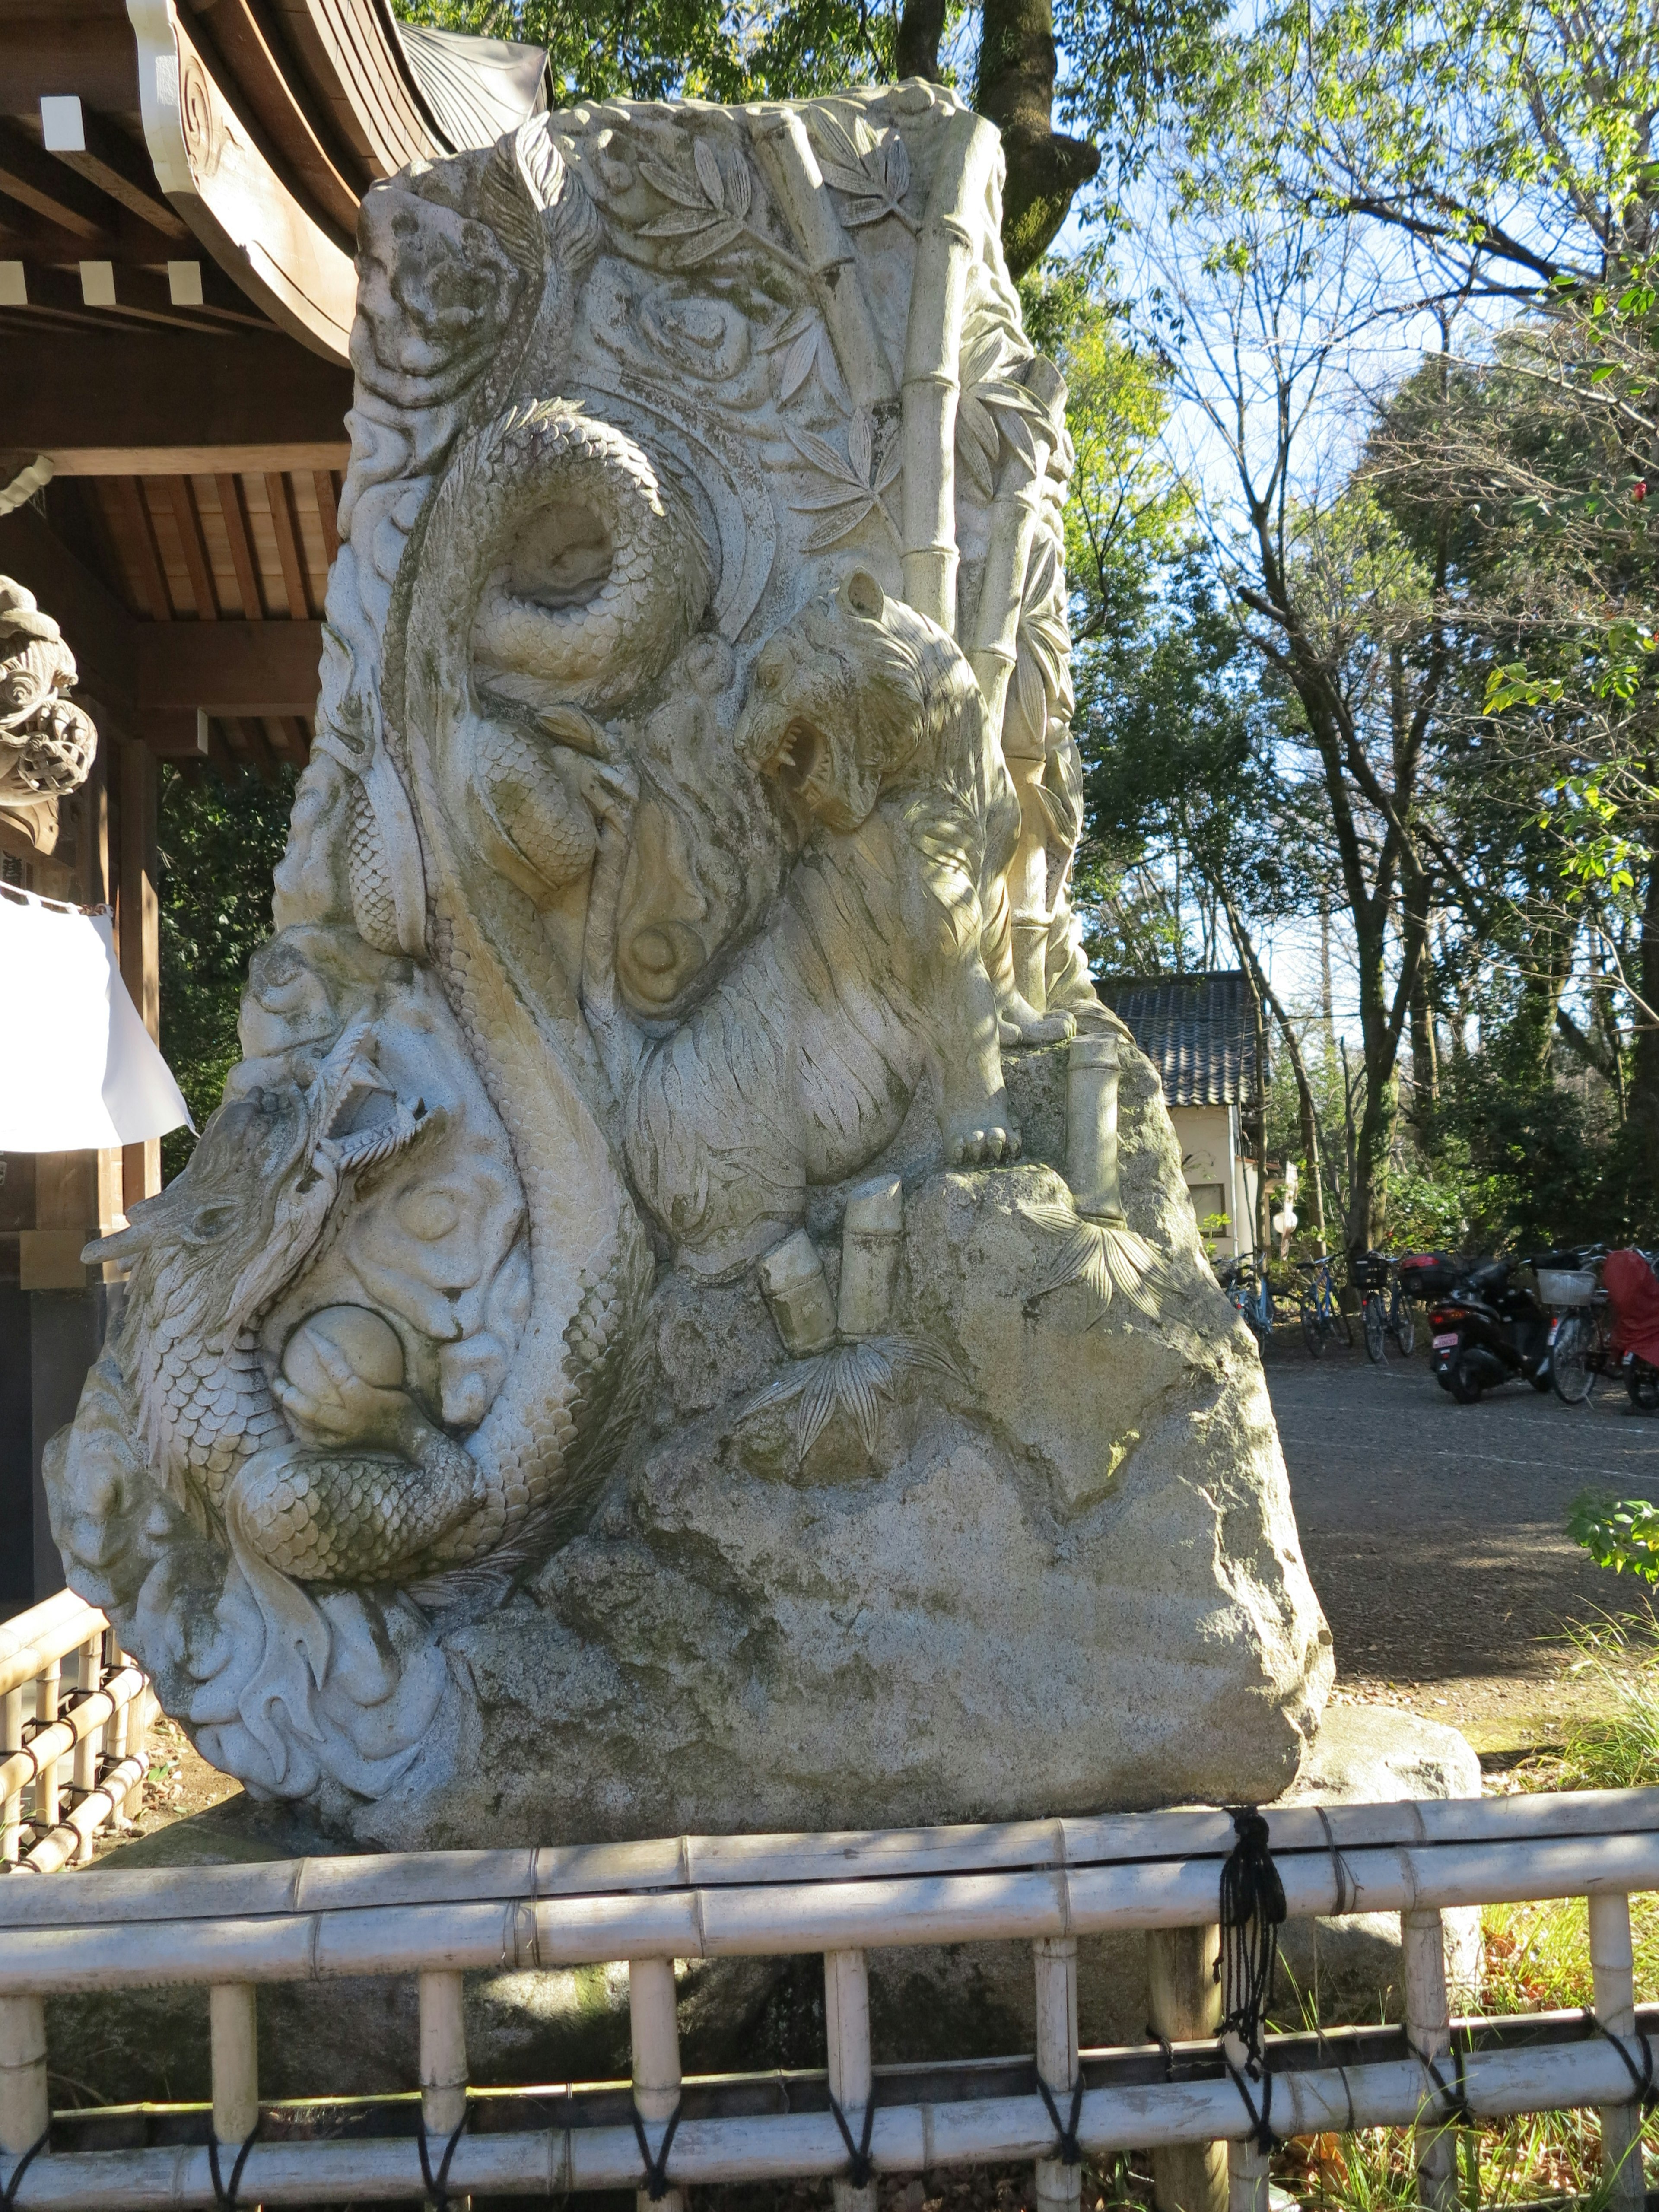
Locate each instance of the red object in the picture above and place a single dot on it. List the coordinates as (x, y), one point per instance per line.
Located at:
(1632, 1290)
(1639, 492)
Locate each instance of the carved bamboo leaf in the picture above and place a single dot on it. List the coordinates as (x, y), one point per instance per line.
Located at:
(672, 187)
(861, 444)
(678, 223)
(709, 173)
(832, 531)
(825, 458)
(797, 320)
(719, 234)
(896, 167)
(797, 364)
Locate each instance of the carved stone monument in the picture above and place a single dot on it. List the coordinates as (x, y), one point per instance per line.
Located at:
(47, 741)
(610, 1366)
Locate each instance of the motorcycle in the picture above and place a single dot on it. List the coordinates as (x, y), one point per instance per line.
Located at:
(1486, 1328)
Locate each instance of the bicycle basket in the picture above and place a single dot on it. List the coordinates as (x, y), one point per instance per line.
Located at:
(1567, 1286)
(1370, 1272)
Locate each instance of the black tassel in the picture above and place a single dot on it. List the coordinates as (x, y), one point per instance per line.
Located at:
(1252, 1913)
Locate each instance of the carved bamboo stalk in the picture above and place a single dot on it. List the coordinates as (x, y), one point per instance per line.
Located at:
(944, 249)
(1428, 2030)
(785, 153)
(1014, 514)
(234, 2033)
(872, 1246)
(1091, 1080)
(847, 2030)
(797, 1291)
(1059, 2186)
(654, 2028)
(1613, 1964)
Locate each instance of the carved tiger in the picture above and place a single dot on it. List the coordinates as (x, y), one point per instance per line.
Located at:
(800, 1065)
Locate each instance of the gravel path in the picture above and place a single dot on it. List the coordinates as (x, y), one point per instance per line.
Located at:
(1433, 1533)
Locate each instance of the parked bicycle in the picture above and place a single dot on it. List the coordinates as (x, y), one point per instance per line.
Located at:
(1248, 1287)
(1611, 1324)
(1320, 1306)
(1385, 1309)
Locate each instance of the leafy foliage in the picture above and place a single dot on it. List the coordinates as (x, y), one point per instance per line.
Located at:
(220, 844)
(1621, 1533)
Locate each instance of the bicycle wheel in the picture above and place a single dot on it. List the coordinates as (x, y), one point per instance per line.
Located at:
(1570, 1368)
(1313, 1324)
(1339, 1321)
(1376, 1329)
(1402, 1323)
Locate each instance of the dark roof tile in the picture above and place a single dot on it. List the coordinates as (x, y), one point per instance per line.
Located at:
(1197, 1031)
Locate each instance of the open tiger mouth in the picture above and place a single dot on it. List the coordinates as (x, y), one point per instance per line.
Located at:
(797, 759)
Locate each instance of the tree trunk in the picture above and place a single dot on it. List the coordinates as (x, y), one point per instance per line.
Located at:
(1016, 91)
(1641, 1100)
(922, 25)
(1264, 991)
(1425, 1059)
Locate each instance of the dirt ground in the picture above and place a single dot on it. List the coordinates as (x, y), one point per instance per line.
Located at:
(1434, 1535)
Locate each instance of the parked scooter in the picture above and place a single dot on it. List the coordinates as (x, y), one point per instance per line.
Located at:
(1486, 1328)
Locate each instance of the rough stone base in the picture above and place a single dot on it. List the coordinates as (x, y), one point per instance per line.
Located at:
(960, 2000)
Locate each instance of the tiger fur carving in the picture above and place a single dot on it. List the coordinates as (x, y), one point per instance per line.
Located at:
(801, 1064)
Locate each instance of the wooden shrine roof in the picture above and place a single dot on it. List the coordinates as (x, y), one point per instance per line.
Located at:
(178, 190)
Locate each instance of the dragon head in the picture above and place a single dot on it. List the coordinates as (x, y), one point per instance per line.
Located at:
(219, 1243)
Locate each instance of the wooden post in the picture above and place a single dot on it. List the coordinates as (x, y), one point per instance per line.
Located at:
(847, 2025)
(1428, 2030)
(47, 1806)
(11, 1739)
(139, 941)
(1614, 1966)
(25, 2112)
(656, 2038)
(1059, 2186)
(1186, 2006)
(235, 2032)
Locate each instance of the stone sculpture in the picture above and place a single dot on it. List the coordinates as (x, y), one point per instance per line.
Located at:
(47, 741)
(610, 1311)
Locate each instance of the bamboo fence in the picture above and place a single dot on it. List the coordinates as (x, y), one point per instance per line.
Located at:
(438, 1915)
(94, 1718)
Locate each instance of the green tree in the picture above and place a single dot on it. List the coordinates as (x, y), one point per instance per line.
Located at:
(220, 843)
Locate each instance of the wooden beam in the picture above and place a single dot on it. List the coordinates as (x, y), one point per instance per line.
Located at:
(129, 510)
(182, 498)
(294, 582)
(168, 402)
(175, 734)
(228, 667)
(323, 483)
(234, 508)
(35, 181)
(86, 141)
(254, 743)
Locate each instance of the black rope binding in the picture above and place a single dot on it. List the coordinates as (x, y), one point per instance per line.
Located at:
(656, 2169)
(437, 2185)
(227, 2197)
(1642, 2083)
(8, 2194)
(1454, 2095)
(1166, 2047)
(1252, 1912)
(859, 2172)
(1262, 2129)
(1066, 2148)
(1347, 1889)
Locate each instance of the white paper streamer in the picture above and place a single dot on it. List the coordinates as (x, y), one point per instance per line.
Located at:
(78, 1070)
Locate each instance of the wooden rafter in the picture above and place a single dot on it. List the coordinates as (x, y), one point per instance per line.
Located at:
(188, 524)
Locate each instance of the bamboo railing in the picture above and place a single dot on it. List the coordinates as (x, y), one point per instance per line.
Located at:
(440, 1914)
(94, 1720)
